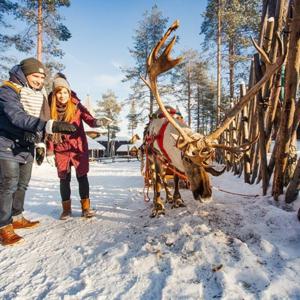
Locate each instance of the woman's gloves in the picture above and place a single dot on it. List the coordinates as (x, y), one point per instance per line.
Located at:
(104, 121)
(59, 127)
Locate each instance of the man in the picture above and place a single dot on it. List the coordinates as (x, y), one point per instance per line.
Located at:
(23, 116)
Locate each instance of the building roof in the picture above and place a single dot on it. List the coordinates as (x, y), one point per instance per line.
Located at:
(100, 130)
(103, 138)
(93, 145)
(128, 147)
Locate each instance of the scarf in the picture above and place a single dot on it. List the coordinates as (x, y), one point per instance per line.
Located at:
(57, 138)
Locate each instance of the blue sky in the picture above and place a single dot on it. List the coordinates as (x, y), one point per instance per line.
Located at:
(102, 31)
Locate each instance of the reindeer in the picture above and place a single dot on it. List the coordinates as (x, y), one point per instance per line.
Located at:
(160, 171)
(188, 152)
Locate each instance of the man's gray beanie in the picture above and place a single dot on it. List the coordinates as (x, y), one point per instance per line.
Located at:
(60, 80)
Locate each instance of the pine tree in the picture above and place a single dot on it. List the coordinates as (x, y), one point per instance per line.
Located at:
(6, 40)
(109, 107)
(43, 30)
(148, 33)
(183, 80)
(240, 20)
(132, 118)
(44, 27)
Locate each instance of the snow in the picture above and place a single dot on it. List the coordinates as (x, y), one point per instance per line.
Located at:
(235, 247)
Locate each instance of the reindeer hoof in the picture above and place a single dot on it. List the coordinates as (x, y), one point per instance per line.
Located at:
(170, 200)
(178, 203)
(157, 213)
(206, 200)
(153, 215)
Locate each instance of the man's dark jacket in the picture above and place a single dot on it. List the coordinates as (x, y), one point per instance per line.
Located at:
(15, 123)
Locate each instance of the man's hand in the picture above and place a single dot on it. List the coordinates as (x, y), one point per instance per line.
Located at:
(104, 121)
(40, 151)
(29, 137)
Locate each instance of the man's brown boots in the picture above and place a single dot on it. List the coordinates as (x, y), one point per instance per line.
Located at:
(21, 223)
(8, 237)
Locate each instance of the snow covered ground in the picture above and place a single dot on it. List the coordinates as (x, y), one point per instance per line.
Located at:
(235, 247)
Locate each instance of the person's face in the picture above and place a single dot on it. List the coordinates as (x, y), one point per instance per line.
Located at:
(63, 95)
(36, 80)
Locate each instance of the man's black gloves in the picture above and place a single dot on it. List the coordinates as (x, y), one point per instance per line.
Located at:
(40, 153)
(63, 127)
(29, 137)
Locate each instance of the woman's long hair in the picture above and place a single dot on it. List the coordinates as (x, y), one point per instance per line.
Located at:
(70, 108)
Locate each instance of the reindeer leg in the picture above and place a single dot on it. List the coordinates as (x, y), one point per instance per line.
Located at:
(158, 206)
(178, 202)
(166, 186)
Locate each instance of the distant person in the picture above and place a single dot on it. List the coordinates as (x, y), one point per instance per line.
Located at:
(71, 150)
(23, 119)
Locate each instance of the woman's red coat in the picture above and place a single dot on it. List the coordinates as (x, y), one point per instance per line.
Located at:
(74, 148)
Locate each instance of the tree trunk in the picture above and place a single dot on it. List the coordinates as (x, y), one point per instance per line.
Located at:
(219, 67)
(294, 185)
(288, 110)
(40, 31)
(198, 108)
(233, 141)
(189, 98)
(231, 68)
(151, 103)
(262, 138)
(245, 129)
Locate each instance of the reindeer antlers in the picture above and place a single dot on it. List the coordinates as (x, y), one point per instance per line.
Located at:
(160, 64)
(157, 65)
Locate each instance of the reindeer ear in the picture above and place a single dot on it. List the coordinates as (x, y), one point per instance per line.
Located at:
(175, 136)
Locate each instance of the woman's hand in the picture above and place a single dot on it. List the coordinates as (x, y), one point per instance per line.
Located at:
(104, 121)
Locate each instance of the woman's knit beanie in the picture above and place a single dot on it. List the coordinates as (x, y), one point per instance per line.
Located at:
(60, 80)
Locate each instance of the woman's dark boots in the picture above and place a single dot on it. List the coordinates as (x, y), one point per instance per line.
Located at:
(67, 212)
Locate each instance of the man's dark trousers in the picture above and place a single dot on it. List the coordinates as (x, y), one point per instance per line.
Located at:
(14, 180)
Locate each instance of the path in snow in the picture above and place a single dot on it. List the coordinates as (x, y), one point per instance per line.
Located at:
(232, 248)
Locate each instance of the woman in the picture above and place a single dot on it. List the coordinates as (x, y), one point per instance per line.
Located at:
(71, 150)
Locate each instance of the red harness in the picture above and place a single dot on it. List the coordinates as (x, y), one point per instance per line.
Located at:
(160, 140)
(165, 159)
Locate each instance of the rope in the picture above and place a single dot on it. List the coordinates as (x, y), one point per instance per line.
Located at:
(146, 193)
(238, 194)
(146, 178)
(175, 171)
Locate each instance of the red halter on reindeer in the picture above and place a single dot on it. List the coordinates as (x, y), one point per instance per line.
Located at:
(170, 144)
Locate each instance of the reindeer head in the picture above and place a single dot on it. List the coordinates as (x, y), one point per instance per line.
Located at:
(198, 150)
